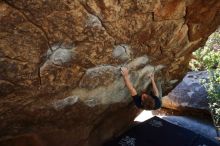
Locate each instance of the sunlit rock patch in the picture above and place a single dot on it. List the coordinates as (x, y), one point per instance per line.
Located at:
(54, 51)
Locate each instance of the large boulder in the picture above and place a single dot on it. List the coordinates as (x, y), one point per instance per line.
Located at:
(60, 81)
(189, 94)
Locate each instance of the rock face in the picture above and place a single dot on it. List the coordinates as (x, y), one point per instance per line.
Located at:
(189, 94)
(60, 81)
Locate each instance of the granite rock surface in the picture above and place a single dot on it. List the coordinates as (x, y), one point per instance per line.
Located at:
(60, 81)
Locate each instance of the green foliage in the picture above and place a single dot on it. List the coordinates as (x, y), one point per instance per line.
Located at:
(208, 58)
(213, 88)
(205, 59)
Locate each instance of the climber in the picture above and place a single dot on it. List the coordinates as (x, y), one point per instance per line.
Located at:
(143, 101)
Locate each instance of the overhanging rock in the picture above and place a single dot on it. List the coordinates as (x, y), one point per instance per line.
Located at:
(60, 60)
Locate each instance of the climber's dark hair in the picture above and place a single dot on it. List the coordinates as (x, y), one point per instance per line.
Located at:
(148, 103)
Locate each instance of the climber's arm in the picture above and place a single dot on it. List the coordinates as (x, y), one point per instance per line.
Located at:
(155, 89)
(124, 72)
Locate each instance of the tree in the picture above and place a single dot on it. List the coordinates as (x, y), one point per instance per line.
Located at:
(208, 58)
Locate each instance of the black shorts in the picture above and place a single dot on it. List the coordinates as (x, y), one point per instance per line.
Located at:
(157, 102)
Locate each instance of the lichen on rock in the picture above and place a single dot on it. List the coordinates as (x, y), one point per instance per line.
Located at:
(61, 104)
(122, 52)
(54, 51)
